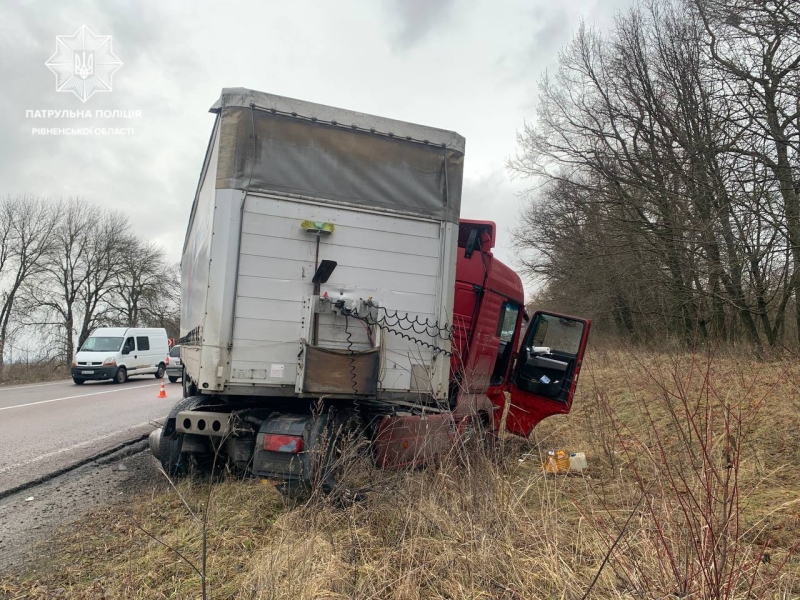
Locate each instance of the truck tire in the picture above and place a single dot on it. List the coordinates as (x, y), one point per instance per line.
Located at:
(173, 461)
(479, 435)
(338, 428)
(160, 371)
(121, 376)
(324, 462)
(189, 388)
(78, 380)
(172, 379)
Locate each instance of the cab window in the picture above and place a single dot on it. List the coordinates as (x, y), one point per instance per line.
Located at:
(143, 342)
(506, 326)
(549, 356)
(129, 345)
(508, 322)
(562, 336)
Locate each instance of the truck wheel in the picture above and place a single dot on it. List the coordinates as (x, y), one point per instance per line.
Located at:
(173, 461)
(172, 379)
(160, 371)
(343, 438)
(121, 376)
(479, 437)
(78, 380)
(189, 388)
(332, 443)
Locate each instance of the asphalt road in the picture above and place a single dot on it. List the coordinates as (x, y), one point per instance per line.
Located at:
(47, 427)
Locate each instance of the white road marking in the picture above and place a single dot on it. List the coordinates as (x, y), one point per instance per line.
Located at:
(33, 385)
(76, 446)
(79, 396)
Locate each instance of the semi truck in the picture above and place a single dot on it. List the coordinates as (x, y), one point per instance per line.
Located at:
(330, 288)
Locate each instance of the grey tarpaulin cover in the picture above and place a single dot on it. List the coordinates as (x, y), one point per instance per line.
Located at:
(317, 152)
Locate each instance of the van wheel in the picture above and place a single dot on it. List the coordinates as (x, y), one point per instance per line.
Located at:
(121, 376)
(78, 380)
(172, 379)
(160, 372)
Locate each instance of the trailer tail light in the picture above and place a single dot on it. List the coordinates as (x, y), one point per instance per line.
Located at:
(274, 442)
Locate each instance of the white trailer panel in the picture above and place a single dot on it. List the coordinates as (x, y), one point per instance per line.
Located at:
(392, 195)
(270, 310)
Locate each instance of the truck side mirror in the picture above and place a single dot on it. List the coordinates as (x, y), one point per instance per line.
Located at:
(126, 350)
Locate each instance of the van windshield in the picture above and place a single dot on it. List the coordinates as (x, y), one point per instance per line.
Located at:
(102, 344)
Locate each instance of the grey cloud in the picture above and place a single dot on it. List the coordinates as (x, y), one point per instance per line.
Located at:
(147, 176)
(415, 19)
(178, 55)
(552, 30)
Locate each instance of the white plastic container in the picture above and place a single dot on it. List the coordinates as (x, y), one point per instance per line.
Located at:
(577, 461)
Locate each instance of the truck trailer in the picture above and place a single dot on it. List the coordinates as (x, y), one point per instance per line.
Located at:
(329, 287)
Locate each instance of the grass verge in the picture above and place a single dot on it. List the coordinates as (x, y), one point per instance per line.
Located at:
(21, 373)
(693, 491)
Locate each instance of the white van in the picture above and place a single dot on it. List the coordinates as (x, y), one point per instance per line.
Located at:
(119, 352)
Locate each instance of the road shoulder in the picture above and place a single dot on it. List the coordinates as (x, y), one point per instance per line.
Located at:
(30, 519)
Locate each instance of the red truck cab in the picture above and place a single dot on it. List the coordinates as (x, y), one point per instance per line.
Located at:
(495, 360)
(500, 365)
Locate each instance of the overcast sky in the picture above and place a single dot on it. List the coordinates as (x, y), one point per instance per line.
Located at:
(467, 65)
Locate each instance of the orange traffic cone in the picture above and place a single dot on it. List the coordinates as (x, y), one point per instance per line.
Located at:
(162, 392)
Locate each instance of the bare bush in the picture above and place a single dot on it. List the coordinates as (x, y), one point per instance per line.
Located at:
(687, 459)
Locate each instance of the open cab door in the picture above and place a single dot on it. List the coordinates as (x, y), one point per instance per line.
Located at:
(546, 372)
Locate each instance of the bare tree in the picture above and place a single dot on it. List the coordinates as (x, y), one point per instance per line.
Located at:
(26, 224)
(53, 299)
(756, 46)
(162, 307)
(67, 268)
(71, 294)
(138, 282)
(664, 204)
(109, 240)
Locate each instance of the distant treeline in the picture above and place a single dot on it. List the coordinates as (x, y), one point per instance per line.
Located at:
(67, 267)
(666, 156)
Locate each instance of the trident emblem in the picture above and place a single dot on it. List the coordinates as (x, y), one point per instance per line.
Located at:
(84, 64)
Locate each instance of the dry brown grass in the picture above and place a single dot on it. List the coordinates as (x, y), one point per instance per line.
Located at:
(16, 373)
(483, 527)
